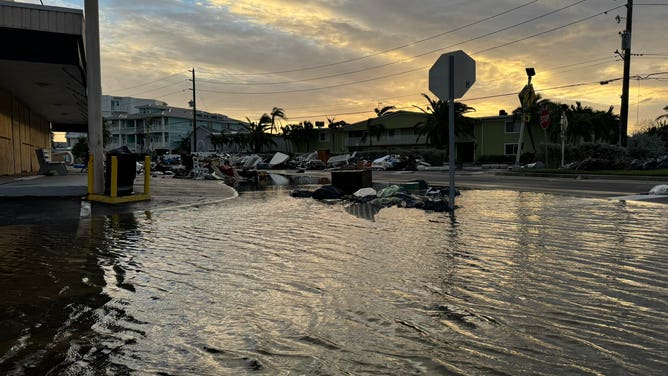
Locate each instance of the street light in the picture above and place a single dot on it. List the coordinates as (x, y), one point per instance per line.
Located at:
(530, 73)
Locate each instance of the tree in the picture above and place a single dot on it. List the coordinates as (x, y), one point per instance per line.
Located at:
(334, 126)
(435, 125)
(257, 136)
(375, 128)
(276, 112)
(183, 146)
(663, 119)
(80, 149)
(219, 140)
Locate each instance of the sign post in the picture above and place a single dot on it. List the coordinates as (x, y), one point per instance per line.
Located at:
(564, 127)
(450, 77)
(527, 97)
(545, 123)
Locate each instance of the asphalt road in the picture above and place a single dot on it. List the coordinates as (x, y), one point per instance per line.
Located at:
(576, 185)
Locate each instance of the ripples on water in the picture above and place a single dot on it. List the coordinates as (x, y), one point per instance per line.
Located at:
(520, 284)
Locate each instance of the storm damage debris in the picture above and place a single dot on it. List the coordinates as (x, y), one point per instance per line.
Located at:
(414, 194)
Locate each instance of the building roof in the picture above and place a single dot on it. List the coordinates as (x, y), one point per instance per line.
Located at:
(43, 63)
(394, 119)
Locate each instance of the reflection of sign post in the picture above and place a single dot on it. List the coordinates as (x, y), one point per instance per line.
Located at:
(450, 77)
(527, 98)
(545, 123)
(564, 127)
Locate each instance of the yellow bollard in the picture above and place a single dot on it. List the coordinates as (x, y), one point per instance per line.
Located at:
(147, 175)
(91, 182)
(114, 176)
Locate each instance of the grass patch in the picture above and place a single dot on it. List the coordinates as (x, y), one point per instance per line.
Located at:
(658, 172)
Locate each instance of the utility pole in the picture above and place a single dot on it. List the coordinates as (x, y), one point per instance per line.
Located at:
(193, 144)
(94, 94)
(626, 47)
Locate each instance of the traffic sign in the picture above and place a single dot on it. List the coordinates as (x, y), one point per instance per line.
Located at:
(544, 118)
(464, 75)
(527, 96)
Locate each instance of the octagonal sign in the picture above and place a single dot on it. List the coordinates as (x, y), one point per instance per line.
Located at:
(464, 75)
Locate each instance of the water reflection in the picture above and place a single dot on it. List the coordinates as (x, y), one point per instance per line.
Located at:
(517, 283)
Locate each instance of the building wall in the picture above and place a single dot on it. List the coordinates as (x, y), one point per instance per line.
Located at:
(22, 131)
(493, 133)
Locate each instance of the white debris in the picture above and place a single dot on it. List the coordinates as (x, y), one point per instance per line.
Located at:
(365, 192)
(659, 190)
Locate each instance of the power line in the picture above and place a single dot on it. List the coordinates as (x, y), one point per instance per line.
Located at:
(424, 67)
(149, 82)
(638, 77)
(440, 49)
(549, 30)
(157, 88)
(394, 48)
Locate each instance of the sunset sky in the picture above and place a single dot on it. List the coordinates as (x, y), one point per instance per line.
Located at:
(341, 59)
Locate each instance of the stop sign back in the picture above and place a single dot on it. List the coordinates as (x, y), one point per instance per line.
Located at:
(464, 75)
(544, 118)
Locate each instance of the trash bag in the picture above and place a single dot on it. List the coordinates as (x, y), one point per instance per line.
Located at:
(328, 192)
(301, 193)
(365, 194)
(127, 171)
(389, 191)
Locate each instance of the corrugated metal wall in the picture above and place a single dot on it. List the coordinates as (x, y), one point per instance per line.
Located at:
(40, 18)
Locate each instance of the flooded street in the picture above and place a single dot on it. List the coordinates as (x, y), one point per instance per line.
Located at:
(519, 284)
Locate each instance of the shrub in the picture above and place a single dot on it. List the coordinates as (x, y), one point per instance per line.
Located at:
(644, 146)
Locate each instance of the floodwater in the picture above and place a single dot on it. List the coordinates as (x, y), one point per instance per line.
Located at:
(517, 284)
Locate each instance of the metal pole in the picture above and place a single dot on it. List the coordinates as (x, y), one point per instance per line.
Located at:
(563, 137)
(94, 93)
(451, 132)
(519, 145)
(194, 143)
(626, 46)
(545, 133)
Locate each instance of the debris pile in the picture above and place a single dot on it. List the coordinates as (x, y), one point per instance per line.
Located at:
(415, 194)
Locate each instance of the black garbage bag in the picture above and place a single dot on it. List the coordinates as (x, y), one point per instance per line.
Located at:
(127, 171)
(328, 192)
(301, 193)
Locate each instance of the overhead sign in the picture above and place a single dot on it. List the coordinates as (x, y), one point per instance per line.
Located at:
(544, 118)
(464, 75)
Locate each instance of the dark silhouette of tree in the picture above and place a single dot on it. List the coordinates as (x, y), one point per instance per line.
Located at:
(435, 126)
(334, 126)
(219, 140)
(276, 112)
(257, 136)
(663, 118)
(374, 128)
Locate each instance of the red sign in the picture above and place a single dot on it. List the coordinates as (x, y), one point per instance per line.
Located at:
(544, 118)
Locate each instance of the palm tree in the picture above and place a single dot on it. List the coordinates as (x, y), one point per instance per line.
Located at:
(219, 140)
(435, 125)
(276, 112)
(257, 136)
(580, 123)
(663, 117)
(375, 128)
(334, 126)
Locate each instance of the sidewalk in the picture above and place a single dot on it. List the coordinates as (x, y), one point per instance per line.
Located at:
(62, 195)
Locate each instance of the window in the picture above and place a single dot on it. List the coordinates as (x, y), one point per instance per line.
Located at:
(323, 136)
(510, 149)
(512, 126)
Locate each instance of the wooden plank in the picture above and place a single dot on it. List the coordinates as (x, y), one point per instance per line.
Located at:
(6, 157)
